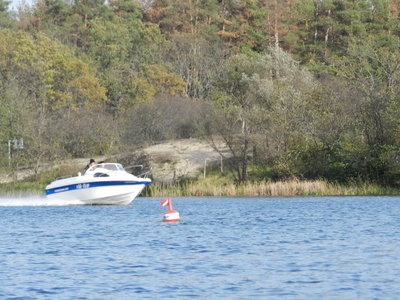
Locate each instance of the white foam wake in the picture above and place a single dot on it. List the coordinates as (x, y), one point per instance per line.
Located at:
(35, 200)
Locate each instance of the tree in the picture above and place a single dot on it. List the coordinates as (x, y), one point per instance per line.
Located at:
(167, 117)
(373, 68)
(324, 29)
(191, 28)
(42, 84)
(278, 16)
(5, 18)
(124, 49)
(113, 38)
(244, 25)
(259, 106)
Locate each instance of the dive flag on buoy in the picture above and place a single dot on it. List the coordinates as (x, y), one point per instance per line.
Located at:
(166, 202)
(170, 215)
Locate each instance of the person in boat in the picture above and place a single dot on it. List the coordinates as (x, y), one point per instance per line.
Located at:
(91, 163)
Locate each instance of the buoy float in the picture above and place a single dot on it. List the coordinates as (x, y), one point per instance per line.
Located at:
(170, 215)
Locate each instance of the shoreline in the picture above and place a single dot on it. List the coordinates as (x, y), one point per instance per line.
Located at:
(289, 188)
(215, 186)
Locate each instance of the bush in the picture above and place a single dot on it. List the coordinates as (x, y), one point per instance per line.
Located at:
(167, 117)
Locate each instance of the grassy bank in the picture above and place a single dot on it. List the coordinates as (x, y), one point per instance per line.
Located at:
(37, 184)
(21, 188)
(216, 186)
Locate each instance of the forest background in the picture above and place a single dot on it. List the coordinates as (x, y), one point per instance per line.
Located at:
(304, 89)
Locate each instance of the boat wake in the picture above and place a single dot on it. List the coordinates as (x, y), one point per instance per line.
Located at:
(35, 200)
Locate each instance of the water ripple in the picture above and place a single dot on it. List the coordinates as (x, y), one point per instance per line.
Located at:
(289, 248)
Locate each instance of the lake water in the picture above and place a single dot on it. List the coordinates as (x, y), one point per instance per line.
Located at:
(223, 248)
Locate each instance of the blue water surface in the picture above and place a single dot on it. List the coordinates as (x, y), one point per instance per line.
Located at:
(223, 248)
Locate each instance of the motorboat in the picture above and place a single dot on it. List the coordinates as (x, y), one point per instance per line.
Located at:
(101, 184)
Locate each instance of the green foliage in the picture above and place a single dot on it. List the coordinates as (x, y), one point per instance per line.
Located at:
(324, 29)
(260, 105)
(76, 73)
(46, 92)
(58, 78)
(247, 22)
(5, 15)
(115, 38)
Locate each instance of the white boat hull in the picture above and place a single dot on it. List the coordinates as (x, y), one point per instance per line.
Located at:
(101, 195)
(99, 186)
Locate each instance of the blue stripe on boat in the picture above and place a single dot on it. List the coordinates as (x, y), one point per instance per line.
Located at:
(87, 185)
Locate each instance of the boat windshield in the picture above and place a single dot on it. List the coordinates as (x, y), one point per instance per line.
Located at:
(107, 166)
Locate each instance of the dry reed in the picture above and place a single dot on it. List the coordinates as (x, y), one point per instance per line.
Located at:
(294, 187)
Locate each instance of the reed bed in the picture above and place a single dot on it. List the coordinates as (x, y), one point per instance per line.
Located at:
(293, 187)
(21, 188)
(216, 186)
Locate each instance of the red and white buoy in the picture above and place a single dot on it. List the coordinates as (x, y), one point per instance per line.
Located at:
(170, 215)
